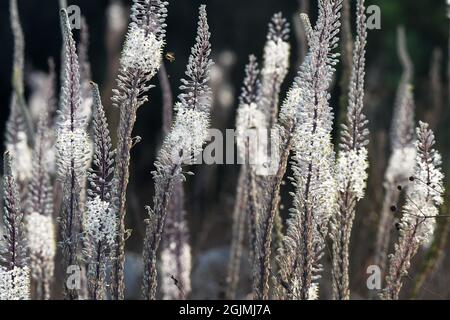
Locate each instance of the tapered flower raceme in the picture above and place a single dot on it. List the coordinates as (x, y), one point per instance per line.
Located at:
(39, 219)
(315, 186)
(100, 220)
(14, 272)
(141, 59)
(181, 146)
(352, 163)
(424, 196)
(402, 159)
(274, 71)
(18, 132)
(19, 119)
(72, 151)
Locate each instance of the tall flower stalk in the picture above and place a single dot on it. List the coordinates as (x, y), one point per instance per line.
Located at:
(307, 119)
(182, 145)
(39, 219)
(176, 259)
(351, 164)
(19, 127)
(423, 198)
(249, 119)
(140, 61)
(401, 161)
(71, 149)
(258, 115)
(100, 225)
(14, 271)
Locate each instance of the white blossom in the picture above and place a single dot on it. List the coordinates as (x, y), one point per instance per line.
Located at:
(189, 133)
(100, 221)
(41, 241)
(276, 58)
(142, 51)
(352, 171)
(15, 284)
(307, 118)
(72, 146)
(424, 196)
(313, 293)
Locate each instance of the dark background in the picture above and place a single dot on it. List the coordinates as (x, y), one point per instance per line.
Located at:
(239, 28)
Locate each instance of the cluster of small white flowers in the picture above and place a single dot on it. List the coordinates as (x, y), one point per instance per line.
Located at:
(249, 119)
(100, 221)
(401, 164)
(352, 171)
(289, 109)
(189, 133)
(21, 153)
(71, 145)
(141, 51)
(168, 286)
(314, 169)
(424, 197)
(15, 284)
(276, 58)
(313, 293)
(41, 240)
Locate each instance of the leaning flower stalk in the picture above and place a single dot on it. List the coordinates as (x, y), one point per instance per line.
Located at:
(423, 198)
(14, 270)
(71, 149)
(140, 61)
(182, 145)
(39, 221)
(100, 224)
(249, 119)
(314, 196)
(351, 164)
(401, 161)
